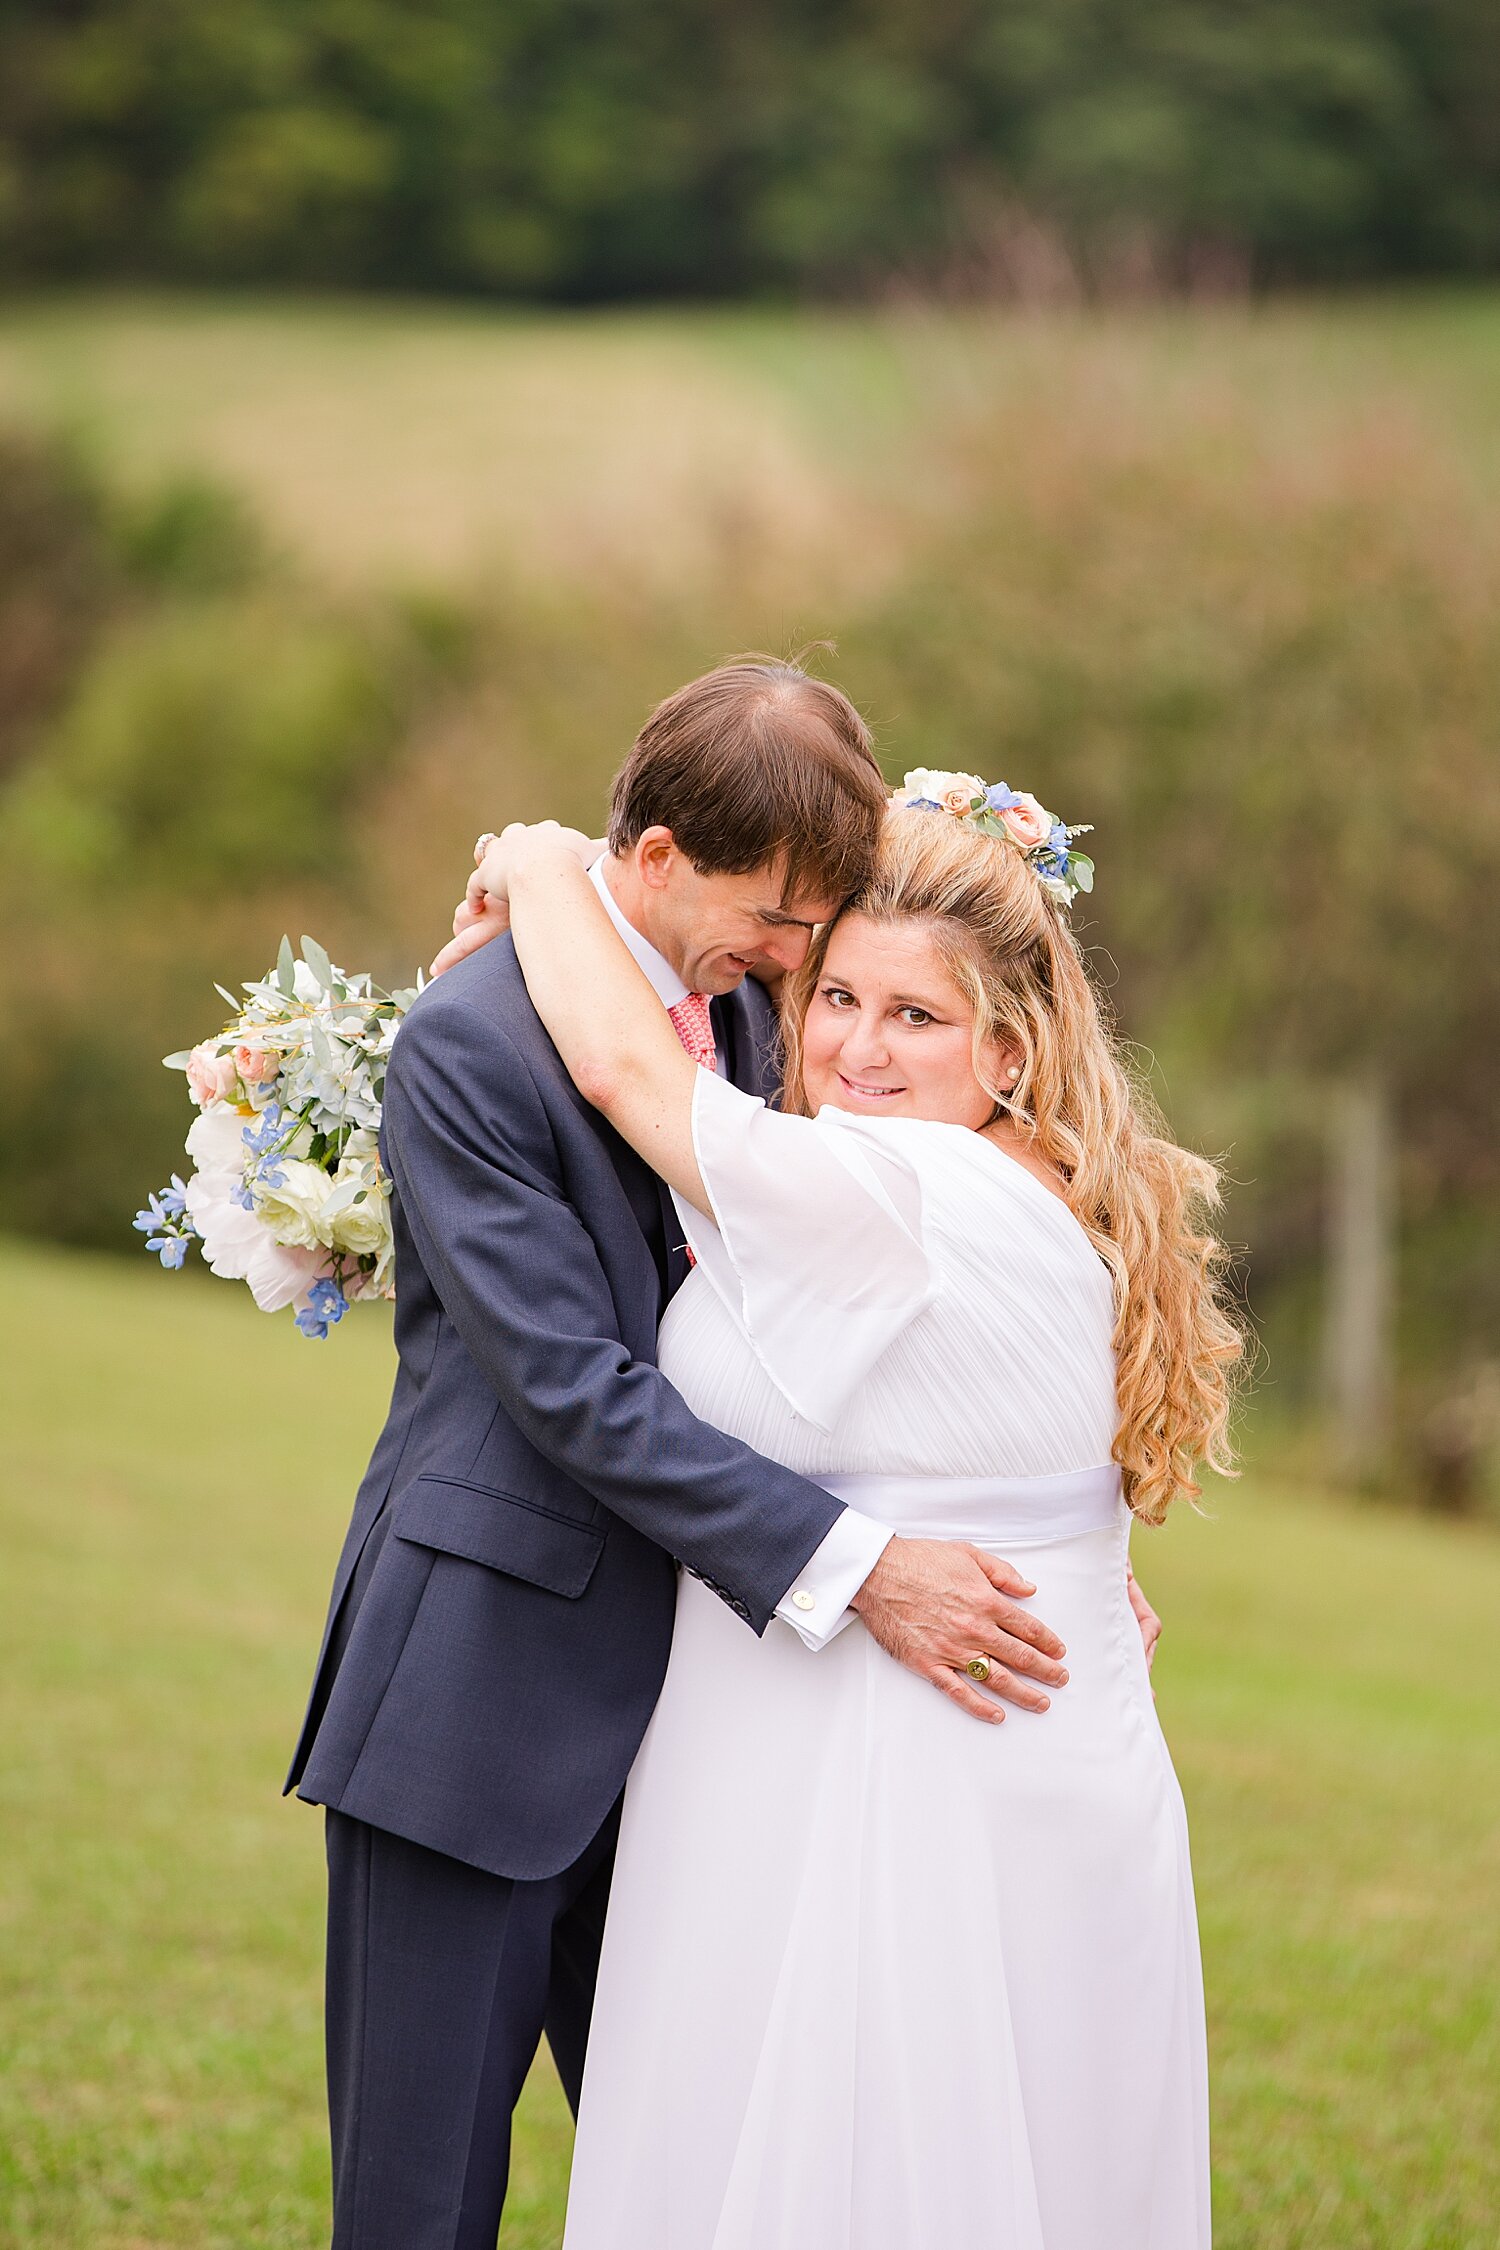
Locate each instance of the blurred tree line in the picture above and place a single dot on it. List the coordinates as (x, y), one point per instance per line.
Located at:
(576, 150)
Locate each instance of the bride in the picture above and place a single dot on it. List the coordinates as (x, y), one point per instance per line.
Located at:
(876, 1978)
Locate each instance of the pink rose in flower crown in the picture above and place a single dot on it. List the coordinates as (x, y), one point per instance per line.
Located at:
(257, 1065)
(960, 797)
(1026, 822)
(210, 1076)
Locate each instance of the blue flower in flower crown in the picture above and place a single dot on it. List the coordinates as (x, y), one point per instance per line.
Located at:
(1052, 857)
(326, 1306)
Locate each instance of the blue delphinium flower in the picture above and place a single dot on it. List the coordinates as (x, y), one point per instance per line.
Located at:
(266, 1147)
(166, 1225)
(999, 798)
(922, 804)
(262, 1142)
(326, 1306)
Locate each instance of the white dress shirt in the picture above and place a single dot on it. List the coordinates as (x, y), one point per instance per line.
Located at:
(817, 1605)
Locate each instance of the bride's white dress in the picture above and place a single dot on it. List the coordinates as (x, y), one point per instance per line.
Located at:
(878, 1977)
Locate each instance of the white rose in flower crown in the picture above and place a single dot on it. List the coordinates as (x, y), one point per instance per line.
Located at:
(955, 792)
(293, 1212)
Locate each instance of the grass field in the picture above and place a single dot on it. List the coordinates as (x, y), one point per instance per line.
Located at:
(795, 457)
(175, 1481)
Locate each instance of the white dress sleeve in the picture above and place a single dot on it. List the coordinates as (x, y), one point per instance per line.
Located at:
(815, 1244)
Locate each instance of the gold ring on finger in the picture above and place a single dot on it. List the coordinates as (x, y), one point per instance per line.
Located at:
(979, 1668)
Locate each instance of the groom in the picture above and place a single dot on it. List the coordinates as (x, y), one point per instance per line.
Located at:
(502, 1609)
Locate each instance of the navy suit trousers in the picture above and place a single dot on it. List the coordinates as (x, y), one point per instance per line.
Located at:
(442, 1979)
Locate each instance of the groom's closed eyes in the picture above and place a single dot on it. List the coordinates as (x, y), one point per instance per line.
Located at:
(773, 919)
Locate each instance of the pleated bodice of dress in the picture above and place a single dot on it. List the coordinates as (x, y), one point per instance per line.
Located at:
(991, 1352)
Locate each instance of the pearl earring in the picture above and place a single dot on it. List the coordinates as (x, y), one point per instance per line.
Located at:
(1014, 1071)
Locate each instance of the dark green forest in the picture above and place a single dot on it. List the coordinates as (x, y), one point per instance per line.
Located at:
(577, 150)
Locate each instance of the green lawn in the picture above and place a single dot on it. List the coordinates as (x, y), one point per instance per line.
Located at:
(176, 1475)
(799, 456)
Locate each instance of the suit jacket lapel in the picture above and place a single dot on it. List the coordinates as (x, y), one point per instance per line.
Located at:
(744, 1024)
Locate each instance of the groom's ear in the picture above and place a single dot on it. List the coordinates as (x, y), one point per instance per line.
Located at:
(655, 854)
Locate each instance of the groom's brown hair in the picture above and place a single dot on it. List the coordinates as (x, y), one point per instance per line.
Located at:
(754, 764)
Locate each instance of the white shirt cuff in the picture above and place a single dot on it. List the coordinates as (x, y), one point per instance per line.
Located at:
(816, 1604)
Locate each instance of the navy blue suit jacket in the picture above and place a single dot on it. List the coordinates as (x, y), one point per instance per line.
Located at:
(502, 1609)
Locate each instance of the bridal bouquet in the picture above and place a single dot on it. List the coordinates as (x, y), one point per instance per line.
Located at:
(286, 1192)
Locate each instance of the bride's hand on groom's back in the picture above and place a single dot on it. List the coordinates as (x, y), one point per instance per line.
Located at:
(484, 910)
(472, 928)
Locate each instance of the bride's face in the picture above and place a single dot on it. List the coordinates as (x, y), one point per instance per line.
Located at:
(888, 1033)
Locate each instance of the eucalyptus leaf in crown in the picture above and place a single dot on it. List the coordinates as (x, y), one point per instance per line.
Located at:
(287, 1193)
(1013, 815)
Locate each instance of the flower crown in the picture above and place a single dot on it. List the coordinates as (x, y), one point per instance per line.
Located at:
(1012, 815)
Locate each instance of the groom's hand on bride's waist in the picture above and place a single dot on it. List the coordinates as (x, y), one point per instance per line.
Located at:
(948, 1612)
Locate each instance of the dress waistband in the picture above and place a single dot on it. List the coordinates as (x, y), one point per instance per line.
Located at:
(990, 1511)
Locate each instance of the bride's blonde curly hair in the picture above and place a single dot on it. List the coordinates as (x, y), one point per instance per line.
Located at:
(1144, 1202)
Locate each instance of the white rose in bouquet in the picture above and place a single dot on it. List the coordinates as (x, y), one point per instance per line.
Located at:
(362, 1227)
(289, 1199)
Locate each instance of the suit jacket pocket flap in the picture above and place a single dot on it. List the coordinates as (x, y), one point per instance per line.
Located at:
(501, 1531)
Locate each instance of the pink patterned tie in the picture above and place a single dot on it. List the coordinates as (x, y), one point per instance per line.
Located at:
(694, 1027)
